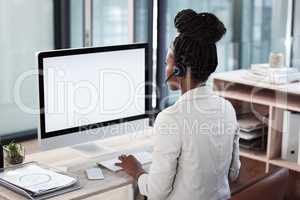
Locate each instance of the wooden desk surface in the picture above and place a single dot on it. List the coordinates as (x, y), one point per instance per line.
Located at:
(77, 163)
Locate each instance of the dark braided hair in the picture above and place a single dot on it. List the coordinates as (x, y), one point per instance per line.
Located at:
(195, 45)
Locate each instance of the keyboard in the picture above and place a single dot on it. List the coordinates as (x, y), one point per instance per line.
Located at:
(143, 157)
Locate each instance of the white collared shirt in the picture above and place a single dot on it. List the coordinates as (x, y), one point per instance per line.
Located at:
(196, 149)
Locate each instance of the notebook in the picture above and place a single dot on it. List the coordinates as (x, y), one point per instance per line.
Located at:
(143, 157)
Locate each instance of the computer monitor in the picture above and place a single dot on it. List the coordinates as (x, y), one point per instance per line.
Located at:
(82, 91)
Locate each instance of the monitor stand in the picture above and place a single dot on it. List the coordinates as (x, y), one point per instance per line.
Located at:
(92, 149)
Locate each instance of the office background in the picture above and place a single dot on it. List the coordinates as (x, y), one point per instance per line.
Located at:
(254, 29)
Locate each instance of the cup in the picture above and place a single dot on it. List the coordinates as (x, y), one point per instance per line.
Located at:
(276, 60)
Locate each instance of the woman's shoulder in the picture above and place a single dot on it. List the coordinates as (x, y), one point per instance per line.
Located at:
(171, 111)
(169, 114)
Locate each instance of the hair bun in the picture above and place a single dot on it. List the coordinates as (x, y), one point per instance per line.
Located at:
(182, 18)
(201, 27)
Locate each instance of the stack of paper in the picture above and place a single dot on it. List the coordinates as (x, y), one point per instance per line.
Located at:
(264, 73)
(252, 132)
(248, 123)
(36, 179)
(250, 135)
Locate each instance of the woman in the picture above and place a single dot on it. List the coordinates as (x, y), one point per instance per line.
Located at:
(196, 146)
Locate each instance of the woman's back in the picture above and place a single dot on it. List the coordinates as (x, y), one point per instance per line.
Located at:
(207, 128)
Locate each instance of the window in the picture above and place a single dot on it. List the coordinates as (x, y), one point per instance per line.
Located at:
(141, 20)
(254, 28)
(111, 22)
(33, 25)
(76, 23)
(26, 27)
(247, 41)
(255, 45)
(221, 8)
(119, 21)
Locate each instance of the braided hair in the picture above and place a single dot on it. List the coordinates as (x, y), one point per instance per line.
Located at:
(195, 44)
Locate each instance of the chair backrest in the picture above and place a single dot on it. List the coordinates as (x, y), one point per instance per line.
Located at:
(272, 186)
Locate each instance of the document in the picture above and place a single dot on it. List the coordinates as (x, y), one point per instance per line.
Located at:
(36, 179)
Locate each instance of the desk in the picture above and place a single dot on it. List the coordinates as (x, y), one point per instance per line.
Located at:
(115, 184)
(77, 163)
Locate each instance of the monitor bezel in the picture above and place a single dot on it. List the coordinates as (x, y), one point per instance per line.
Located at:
(69, 52)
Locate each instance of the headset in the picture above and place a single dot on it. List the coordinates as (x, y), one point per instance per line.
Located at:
(178, 70)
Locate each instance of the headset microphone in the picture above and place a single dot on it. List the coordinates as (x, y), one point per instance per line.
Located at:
(169, 77)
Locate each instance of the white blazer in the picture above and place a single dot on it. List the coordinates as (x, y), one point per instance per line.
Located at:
(196, 149)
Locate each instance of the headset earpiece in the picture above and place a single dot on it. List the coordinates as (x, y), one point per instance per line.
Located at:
(179, 71)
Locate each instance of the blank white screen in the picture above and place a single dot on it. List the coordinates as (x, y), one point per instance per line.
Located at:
(92, 88)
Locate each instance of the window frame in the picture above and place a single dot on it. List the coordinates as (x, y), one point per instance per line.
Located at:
(62, 24)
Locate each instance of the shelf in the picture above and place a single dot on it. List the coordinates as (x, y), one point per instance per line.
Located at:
(240, 77)
(261, 96)
(254, 155)
(287, 164)
(273, 100)
(245, 94)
